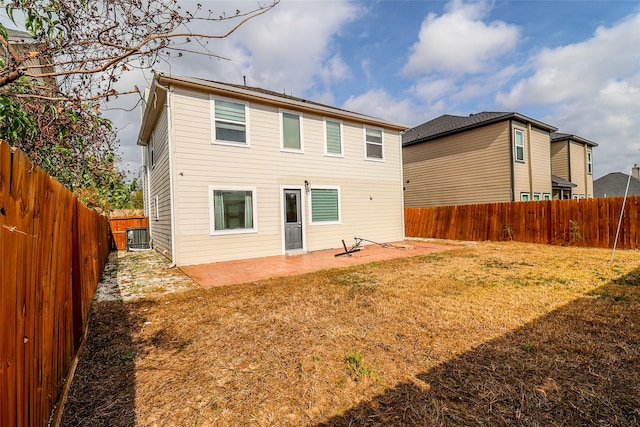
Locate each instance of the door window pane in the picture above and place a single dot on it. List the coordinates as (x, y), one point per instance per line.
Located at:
(292, 207)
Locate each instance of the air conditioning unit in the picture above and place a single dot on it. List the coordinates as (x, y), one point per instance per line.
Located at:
(137, 238)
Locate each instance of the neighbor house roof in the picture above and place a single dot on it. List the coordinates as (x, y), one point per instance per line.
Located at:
(558, 136)
(249, 93)
(448, 125)
(558, 182)
(614, 184)
(17, 36)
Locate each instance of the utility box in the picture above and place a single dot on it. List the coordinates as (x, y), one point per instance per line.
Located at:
(137, 238)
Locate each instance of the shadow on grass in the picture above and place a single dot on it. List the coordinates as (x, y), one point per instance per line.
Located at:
(103, 388)
(578, 365)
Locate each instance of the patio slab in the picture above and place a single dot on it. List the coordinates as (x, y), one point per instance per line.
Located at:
(255, 269)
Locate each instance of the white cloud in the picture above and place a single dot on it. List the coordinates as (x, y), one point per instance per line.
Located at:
(378, 103)
(593, 88)
(459, 41)
(291, 45)
(581, 69)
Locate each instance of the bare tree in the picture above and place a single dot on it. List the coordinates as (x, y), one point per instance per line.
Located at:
(73, 54)
(86, 46)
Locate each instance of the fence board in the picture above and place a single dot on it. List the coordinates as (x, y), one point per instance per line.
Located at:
(44, 287)
(584, 222)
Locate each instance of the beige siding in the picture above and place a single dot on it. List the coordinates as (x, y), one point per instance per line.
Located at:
(589, 177)
(159, 188)
(371, 196)
(560, 159)
(470, 167)
(570, 162)
(540, 161)
(534, 175)
(579, 177)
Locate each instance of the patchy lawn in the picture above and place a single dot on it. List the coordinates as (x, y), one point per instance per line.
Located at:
(492, 334)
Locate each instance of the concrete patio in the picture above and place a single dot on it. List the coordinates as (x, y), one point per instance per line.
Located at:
(255, 269)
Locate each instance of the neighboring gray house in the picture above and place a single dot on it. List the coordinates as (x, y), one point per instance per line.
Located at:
(614, 184)
(234, 172)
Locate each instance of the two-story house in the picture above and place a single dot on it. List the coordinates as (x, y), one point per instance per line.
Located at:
(234, 172)
(572, 162)
(480, 158)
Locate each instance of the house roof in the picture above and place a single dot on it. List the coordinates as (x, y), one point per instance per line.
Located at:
(614, 184)
(558, 182)
(17, 36)
(558, 136)
(249, 93)
(449, 124)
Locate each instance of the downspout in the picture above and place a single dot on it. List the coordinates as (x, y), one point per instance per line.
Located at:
(172, 194)
(569, 165)
(529, 160)
(147, 205)
(404, 236)
(512, 162)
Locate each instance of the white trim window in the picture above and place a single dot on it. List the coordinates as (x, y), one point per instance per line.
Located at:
(154, 210)
(546, 196)
(589, 163)
(525, 197)
(536, 197)
(333, 138)
(152, 160)
(230, 122)
(232, 210)
(291, 131)
(518, 141)
(373, 143)
(324, 205)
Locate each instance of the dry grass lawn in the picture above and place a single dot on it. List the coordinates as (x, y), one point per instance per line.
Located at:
(491, 334)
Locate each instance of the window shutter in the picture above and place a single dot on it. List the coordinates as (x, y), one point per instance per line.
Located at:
(291, 130)
(233, 111)
(324, 205)
(333, 138)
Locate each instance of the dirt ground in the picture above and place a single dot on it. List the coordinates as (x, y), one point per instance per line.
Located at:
(489, 334)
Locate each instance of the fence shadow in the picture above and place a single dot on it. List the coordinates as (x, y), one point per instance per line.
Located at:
(102, 392)
(578, 365)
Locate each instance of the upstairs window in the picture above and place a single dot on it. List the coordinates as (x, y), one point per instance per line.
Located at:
(373, 143)
(291, 132)
(519, 145)
(230, 122)
(333, 138)
(589, 163)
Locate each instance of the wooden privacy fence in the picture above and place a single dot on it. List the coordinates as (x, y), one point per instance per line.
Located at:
(52, 252)
(118, 227)
(584, 222)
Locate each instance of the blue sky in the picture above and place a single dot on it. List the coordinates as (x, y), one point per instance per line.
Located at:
(572, 64)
